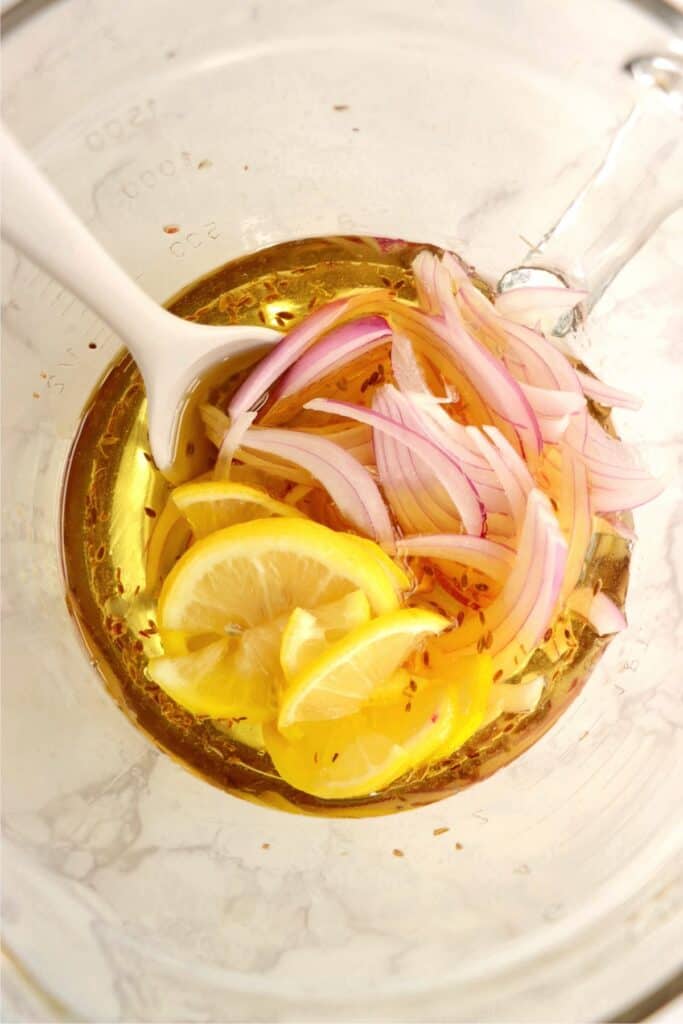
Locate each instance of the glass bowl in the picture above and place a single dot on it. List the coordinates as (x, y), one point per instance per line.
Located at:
(134, 891)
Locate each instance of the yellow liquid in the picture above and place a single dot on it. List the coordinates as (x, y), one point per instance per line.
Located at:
(113, 496)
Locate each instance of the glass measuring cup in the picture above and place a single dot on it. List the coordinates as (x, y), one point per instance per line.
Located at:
(102, 830)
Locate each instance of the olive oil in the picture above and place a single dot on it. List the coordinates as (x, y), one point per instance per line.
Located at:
(113, 497)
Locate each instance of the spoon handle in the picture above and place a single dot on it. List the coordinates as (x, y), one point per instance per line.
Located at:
(37, 221)
(639, 183)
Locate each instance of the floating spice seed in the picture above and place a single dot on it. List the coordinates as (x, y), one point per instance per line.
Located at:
(425, 658)
(440, 831)
(398, 853)
(464, 580)
(265, 846)
(460, 618)
(482, 618)
(458, 846)
(335, 756)
(150, 512)
(547, 635)
(498, 675)
(597, 587)
(480, 645)
(408, 706)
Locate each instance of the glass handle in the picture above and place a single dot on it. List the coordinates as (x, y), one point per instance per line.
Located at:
(639, 183)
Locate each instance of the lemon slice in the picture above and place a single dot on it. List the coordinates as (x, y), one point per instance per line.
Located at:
(212, 505)
(170, 537)
(307, 634)
(344, 676)
(363, 753)
(213, 682)
(470, 677)
(199, 508)
(241, 677)
(251, 573)
(399, 578)
(237, 676)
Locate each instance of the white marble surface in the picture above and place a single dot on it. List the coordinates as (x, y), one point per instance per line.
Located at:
(133, 891)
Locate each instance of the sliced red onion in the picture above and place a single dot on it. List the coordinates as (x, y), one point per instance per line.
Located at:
(516, 464)
(280, 358)
(598, 610)
(517, 619)
(553, 429)
(538, 307)
(488, 557)
(355, 438)
(432, 420)
(232, 439)
(424, 271)
(515, 698)
(337, 348)
(598, 444)
(627, 494)
(453, 438)
(406, 477)
(408, 373)
(410, 495)
(488, 375)
(347, 482)
(271, 467)
(553, 403)
(509, 468)
(252, 391)
(456, 484)
(528, 354)
(500, 527)
(216, 423)
(617, 481)
(457, 270)
(575, 516)
(606, 395)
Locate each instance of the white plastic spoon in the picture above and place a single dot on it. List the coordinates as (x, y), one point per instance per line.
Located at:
(171, 353)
